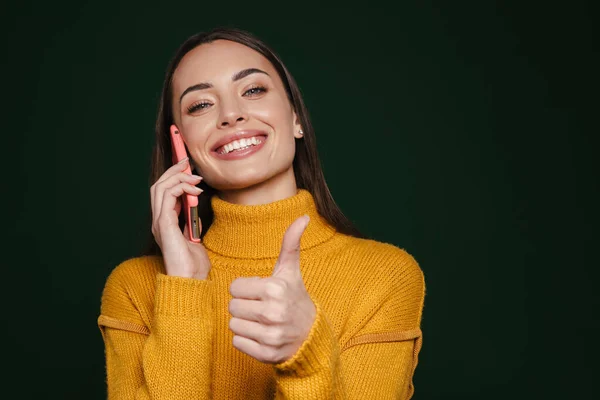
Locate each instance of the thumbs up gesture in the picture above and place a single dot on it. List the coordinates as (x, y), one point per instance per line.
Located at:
(271, 317)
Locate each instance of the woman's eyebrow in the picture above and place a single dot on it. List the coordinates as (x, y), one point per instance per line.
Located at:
(199, 86)
(245, 72)
(236, 77)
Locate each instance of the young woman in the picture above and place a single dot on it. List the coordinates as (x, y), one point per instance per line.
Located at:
(282, 298)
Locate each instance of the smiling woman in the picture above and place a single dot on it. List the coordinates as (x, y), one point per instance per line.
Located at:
(283, 297)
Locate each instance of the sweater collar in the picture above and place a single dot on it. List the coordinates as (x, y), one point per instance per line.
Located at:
(256, 231)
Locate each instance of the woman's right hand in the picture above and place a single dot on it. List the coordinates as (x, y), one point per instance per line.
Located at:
(181, 256)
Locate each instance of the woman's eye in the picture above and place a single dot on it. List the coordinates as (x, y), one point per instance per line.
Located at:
(198, 106)
(253, 91)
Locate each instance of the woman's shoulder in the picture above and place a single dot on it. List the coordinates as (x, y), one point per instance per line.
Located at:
(136, 270)
(132, 277)
(386, 278)
(129, 290)
(381, 257)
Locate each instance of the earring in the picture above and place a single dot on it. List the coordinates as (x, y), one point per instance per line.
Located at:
(300, 132)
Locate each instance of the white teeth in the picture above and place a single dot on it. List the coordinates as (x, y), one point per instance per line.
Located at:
(240, 144)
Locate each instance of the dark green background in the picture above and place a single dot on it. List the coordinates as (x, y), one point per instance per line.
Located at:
(465, 134)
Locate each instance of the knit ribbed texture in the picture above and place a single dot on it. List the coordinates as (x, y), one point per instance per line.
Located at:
(260, 228)
(168, 337)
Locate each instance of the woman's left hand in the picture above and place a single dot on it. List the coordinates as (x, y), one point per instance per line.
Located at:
(273, 316)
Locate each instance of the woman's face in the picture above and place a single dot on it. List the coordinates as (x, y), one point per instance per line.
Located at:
(222, 89)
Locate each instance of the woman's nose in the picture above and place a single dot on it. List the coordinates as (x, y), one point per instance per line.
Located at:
(231, 114)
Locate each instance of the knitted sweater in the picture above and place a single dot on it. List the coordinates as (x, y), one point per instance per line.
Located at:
(168, 337)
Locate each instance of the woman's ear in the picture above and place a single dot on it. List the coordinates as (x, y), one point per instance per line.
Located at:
(298, 132)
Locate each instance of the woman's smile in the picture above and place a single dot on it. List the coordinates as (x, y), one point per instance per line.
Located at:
(241, 145)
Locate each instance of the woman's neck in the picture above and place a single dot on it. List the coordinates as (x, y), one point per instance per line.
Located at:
(256, 231)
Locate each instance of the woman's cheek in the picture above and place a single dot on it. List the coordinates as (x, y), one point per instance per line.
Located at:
(272, 108)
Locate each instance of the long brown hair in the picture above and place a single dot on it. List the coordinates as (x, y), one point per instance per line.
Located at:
(306, 164)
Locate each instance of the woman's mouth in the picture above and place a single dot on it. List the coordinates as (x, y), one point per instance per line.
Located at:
(241, 148)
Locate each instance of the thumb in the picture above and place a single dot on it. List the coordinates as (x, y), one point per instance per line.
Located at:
(289, 256)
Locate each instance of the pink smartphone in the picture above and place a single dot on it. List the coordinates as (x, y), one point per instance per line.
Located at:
(190, 202)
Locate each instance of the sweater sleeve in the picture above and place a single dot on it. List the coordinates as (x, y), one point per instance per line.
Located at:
(377, 362)
(171, 358)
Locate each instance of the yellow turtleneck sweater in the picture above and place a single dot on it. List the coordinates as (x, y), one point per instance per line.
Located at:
(168, 337)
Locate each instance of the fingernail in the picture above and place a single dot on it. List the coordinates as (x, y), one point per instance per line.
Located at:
(184, 160)
(196, 177)
(307, 218)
